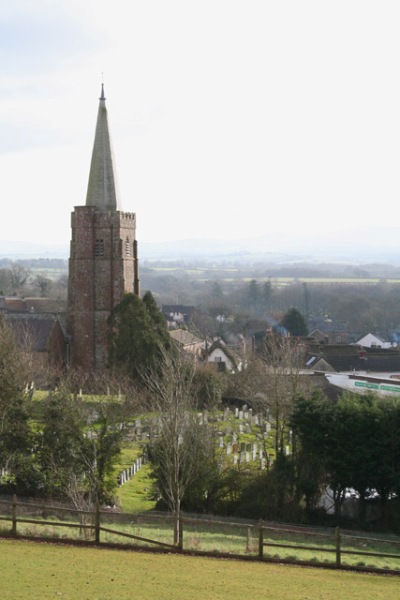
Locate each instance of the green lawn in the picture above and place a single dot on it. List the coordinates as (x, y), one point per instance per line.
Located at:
(44, 571)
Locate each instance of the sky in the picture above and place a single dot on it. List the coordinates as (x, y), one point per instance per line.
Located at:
(230, 119)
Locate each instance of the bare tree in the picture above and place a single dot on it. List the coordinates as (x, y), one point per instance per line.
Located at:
(182, 443)
(44, 284)
(272, 380)
(19, 276)
(5, 282)
(281, 360)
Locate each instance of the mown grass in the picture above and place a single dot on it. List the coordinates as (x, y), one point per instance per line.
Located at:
(46, 571)
(136, 495)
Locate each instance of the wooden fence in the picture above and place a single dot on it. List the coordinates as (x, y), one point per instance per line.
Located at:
(336, 542)
(96, 526)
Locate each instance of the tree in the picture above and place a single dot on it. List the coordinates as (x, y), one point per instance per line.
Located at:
(61, 443)
(294, 322)
(281, 360)
(78, 447)
(15, 435)
(138, 336)
(5, 282)
(254, 295)
(158, 320)
(354, 442)
(19, 276)
(183, 445)
(44, 284)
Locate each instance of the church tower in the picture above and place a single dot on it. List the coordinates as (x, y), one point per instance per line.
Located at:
(103, 263)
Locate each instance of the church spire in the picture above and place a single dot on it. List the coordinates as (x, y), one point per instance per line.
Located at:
(102, 189)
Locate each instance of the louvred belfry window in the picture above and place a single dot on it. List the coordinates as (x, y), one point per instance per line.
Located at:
(99, 248)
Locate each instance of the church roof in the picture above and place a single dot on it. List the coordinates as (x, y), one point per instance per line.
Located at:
(102, 189)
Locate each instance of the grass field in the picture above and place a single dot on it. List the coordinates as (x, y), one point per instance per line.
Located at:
(44, 571)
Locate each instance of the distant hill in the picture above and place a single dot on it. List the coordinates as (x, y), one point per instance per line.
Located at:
(349, 246)
(18, 250)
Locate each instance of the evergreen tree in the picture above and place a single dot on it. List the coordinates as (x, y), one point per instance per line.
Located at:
(295, 323)
(138, 336)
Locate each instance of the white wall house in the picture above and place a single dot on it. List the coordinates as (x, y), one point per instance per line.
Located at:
(373, 341)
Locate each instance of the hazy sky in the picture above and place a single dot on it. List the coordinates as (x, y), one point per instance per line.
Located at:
(229, 118)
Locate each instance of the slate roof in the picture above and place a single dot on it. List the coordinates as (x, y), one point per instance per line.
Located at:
(32, 330)
(30, 305)
(349, 357)
(185, 338)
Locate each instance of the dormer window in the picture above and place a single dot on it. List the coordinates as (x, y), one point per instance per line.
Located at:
(99, 248)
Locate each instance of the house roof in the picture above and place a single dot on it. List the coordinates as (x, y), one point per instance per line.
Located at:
(348, 357)
(185, 338)
(30, 305)
(32, 331)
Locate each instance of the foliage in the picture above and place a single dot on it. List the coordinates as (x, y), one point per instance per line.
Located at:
(15, 438)
(294, 322)
(353, 443)
(77, 449)
(138, 336)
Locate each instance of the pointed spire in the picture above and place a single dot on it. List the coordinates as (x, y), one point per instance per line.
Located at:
(102, 189)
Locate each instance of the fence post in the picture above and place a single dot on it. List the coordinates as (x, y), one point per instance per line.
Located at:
(337, 543)
(180, 532)
(97, 523)
(14, 516)
(260, 538)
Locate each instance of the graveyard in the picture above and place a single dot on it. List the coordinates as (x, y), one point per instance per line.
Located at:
(243, 438)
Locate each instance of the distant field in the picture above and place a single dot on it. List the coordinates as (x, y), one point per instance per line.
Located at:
(43, 571)
(230, 275)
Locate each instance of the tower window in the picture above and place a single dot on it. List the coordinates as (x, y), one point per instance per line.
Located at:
(99, 248)
(127, 247)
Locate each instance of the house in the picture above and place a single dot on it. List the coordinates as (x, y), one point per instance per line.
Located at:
(223, 357)
(373, 341)
(335, 357)
(187, 341)
(41, 338)
(177, 314)
(327, 331)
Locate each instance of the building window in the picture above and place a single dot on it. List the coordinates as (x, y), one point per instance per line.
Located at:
(127, 247)
(99, 248)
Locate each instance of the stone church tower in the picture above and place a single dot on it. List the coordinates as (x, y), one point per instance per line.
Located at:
(103, 263)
